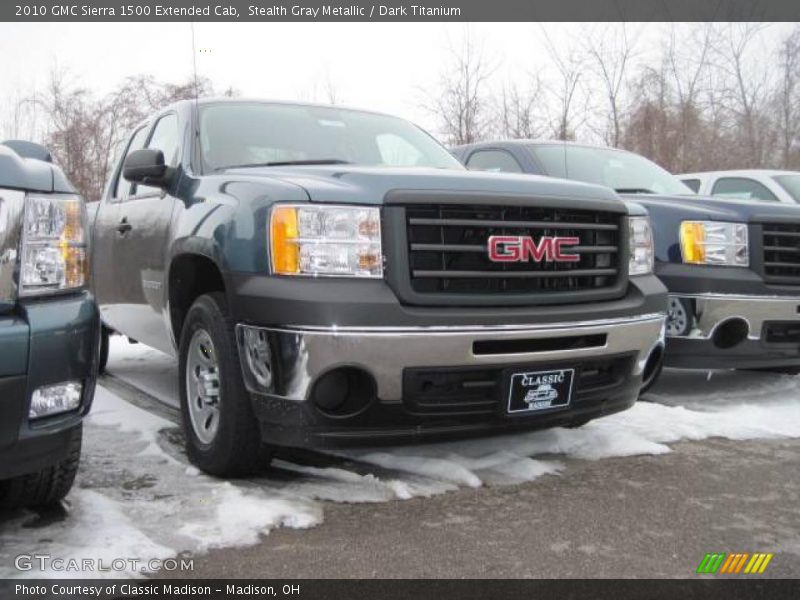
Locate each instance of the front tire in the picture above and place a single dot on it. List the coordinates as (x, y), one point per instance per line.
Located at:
(46, 487)
(651, 378)
(222, 434)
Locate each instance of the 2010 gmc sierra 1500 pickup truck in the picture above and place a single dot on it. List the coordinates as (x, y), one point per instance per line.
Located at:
(732, 267)
(330, 276)
(49, 328)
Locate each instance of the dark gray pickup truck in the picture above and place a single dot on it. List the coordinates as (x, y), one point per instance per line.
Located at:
(48, 328)
(330, 276)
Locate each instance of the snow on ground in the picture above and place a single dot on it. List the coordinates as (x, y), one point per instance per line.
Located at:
(149, 370)
(136, 495)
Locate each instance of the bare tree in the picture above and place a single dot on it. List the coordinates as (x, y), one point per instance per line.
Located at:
(460, 102)
(687, 63)
(84, 132)
(747, 89)
(323, 90)
(519, 113)
(570, 66)
(611, 51)
(788, 100)
(649, 125)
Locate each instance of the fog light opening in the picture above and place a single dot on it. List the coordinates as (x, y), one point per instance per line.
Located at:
(731, 333)
(343, 392)
(50, 400)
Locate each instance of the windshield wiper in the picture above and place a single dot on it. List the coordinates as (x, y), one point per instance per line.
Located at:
(288, 163)
(633, 191)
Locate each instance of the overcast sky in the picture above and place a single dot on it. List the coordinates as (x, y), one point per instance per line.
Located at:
(382, 66)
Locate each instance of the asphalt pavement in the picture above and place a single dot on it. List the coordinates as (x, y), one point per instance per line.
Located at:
(644, 516)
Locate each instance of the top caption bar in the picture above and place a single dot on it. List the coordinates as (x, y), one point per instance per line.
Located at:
(414, 10)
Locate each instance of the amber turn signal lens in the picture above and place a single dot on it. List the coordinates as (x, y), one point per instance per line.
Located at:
(283, 237)
(693, 237)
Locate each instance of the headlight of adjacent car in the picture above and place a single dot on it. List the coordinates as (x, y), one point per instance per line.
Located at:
(641, 246)
(54, 245)
(339, 241)
(712, 243)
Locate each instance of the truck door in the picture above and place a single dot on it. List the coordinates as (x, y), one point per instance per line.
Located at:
(105, 235)
(142, 229)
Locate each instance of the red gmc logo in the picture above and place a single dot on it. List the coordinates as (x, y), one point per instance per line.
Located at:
(522, 248)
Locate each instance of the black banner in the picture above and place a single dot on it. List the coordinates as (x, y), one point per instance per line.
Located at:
(391, 589)
(401, 10)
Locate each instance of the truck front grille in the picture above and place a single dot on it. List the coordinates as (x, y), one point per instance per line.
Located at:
(448, 250)
(782, 253)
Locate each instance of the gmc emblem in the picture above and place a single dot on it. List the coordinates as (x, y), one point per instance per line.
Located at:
(522, 248)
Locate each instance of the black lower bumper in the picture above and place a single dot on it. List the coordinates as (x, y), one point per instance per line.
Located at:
(38, 452)
(59, 336)
(725, 331)
(602, 387)
(684, 353)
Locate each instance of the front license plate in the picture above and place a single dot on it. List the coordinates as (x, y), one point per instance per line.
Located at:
(540, 390)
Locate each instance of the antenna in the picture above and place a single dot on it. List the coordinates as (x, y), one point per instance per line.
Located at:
(196, 102)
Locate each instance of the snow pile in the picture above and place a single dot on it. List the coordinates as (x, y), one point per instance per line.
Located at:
(647, 428)
(133, 499)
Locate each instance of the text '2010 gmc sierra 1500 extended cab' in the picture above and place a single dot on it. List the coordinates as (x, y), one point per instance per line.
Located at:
(331, 276)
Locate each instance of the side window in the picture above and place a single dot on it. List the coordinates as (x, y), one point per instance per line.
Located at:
(498, 161)
(121, 186)
(742, 187)
(165, 138)
(693, 184)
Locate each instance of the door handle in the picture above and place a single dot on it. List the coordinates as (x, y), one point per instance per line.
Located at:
(124, 226)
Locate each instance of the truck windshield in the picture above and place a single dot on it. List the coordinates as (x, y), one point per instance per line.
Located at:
(248, 134)
(791, 183)
(622, 171)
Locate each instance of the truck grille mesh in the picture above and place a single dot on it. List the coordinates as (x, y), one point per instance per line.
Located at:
(782, 253)
(448, 249)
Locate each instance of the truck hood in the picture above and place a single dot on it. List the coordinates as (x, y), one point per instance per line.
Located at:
(370, 185)
(715, 208)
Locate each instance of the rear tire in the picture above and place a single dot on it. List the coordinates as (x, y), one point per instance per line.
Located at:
(222, 433)
(48, 486)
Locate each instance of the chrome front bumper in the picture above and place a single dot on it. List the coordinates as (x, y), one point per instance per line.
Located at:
(285, 362)
(712, 310)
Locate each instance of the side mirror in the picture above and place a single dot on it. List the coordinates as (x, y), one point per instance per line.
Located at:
(146, 166)
(29, 150)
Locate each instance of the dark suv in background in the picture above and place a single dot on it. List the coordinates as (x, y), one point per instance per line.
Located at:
(48, 328)
(732, 267)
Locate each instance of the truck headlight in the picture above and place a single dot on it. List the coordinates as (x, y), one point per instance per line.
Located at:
(712, 243)
(53, 246)
(641, 246)
(339, 241)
